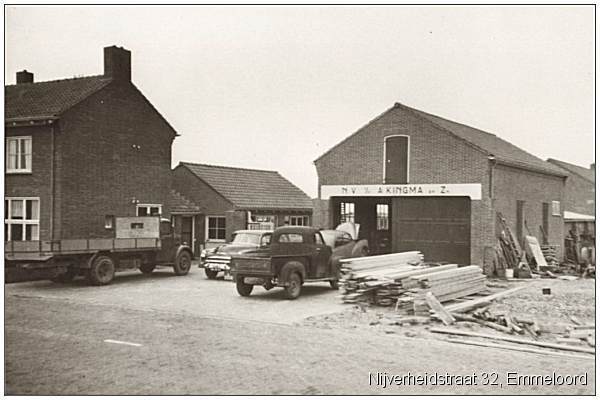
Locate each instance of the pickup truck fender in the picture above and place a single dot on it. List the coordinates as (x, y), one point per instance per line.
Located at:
(183, 247)
(361, 248)
(290, 267)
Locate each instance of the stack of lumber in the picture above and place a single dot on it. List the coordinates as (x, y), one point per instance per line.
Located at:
(376, 279)
(507, 252)
(444, 285)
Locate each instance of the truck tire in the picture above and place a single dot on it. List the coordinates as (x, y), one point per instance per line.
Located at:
(243, 289)
(183, 263)
(147, 269)
(66, 276)
(294, 286)
(210, 274)
(102, 271)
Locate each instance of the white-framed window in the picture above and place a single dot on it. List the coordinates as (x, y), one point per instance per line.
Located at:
(261, 222)
(215, 228)
(149, 210)
(299, 220)
(556, 208)
(18, 154)
(346, 212)
(383, 217)
(22, 218)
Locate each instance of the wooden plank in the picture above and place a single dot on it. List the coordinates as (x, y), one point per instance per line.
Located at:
(533, 249)
(468, 318)
(518, 348)
(449, 274)
(474, 303)
(439, 309)
(514, 340)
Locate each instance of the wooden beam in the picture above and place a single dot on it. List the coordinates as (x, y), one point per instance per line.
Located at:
(513, 339)
(474, 303)
(518, 348)
(439, 309)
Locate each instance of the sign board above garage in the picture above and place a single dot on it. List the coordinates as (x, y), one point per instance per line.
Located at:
(471, 190)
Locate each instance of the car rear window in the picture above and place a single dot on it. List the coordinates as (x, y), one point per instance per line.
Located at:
(290, 238)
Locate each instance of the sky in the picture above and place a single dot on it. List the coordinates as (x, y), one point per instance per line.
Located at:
(275, 87)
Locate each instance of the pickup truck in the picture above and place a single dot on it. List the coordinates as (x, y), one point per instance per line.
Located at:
(298, 255)
(139, 243)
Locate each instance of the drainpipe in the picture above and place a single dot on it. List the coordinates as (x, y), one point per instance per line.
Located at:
(492, 160)
(52, 190)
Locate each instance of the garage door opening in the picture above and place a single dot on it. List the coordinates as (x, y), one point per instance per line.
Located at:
(439, 227)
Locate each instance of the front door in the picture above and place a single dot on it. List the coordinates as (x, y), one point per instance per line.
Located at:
(186, 230)
(396, 159)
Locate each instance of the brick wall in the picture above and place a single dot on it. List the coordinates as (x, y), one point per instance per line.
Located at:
(580, 195)
(102, 169)
(436, 156)
(36, 184)
(512, 184)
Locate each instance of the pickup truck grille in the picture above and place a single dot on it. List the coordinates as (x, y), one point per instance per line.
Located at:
(218, 259)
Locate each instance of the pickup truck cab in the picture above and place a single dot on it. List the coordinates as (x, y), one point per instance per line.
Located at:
(298, 255)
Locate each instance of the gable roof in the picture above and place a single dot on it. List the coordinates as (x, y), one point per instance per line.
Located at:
(45, 100)
(487, 143)
(585, 173)
(251, 188)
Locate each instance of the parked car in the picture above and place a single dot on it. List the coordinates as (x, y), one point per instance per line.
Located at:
(298, 255)
(244, 242)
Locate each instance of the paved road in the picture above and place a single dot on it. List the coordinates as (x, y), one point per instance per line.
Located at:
(167, 335)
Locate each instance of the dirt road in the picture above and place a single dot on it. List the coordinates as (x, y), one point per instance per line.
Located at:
(138, 337)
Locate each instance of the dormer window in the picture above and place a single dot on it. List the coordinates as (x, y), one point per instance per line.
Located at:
(18, 154)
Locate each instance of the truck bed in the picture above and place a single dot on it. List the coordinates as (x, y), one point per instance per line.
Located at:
(45, 249)
(251, 266)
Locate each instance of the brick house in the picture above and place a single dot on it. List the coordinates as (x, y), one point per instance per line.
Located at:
(580, 189)
(417, 181)
(231, 199)
(82, 151)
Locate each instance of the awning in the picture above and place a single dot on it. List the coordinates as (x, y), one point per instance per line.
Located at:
(571, 216)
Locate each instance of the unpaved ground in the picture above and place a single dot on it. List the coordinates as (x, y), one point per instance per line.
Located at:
(56, 344)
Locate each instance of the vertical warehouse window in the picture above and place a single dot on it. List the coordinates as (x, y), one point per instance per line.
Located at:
(215, 227)
(18, 154)
(383, 217)
(346, 212)
(21, 218)
(299, 220)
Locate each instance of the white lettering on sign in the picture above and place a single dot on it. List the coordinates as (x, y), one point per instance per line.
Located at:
(471, 190)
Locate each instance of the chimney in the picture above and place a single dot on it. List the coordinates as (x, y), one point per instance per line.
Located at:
(117, 63)
(24, 77)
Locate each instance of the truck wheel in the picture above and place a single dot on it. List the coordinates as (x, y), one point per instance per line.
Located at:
(147, 268)
(66, 276)
(292, 290)
(102, 271)
(211, 274)
(183, 263)
(243, 288)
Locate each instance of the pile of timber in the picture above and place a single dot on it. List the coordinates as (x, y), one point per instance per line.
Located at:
(507, 252)
(402, 279)
(550, 254)
(445, 285)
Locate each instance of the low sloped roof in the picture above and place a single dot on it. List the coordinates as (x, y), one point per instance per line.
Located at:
(586, 173)
(573, 216)
(49, 99)
(251, 188)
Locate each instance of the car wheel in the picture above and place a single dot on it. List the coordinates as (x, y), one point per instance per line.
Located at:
(211, 274)
(243, 288)
(102, 271)
(183, 263)
(294, 286)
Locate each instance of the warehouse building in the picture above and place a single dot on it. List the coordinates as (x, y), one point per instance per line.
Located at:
(415, 181)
